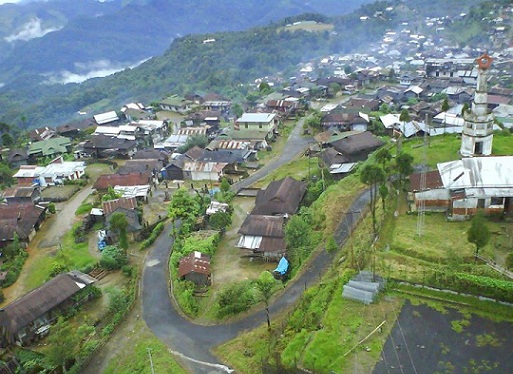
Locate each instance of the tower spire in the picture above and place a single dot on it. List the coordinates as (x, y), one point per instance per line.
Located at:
(477, 134)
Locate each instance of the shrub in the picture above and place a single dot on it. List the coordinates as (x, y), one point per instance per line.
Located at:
(128, 270)
(185, 297)
(236, 298)
(57, 268)
(157, 230)
(220, 220)
(79, 234)
(51, 208)
(113, 258)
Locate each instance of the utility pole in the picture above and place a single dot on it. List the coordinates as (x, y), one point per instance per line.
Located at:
(421, 208)
(151, 361)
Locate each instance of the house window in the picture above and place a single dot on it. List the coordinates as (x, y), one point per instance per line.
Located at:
(246, 125)
(497, 201)
(480, 203)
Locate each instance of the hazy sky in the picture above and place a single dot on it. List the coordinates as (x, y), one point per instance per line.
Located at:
(8, 1)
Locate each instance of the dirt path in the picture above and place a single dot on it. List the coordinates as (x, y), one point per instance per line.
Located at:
(47, 240)
(63, 219)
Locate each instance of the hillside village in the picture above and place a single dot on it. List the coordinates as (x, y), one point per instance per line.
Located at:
(186, 158)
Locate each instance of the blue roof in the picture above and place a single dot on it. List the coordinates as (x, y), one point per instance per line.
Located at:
(283, 266)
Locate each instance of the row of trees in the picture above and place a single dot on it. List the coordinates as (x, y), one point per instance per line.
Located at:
(377, 175)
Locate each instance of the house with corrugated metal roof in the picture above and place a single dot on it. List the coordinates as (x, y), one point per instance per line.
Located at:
(202, 171)
(20, 219)
(28, 318)
(195, 268)
(263, 231)
(462, 187)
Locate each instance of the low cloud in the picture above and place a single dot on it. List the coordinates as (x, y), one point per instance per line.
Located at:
(85, 71)
(31, 30)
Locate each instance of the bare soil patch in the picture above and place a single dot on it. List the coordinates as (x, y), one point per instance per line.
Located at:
(229, 266)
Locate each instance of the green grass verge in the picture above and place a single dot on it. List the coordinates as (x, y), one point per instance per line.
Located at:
(135, 358)
(84, 208)
(72, 255)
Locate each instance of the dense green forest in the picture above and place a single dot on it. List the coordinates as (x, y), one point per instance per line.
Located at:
(225, 66)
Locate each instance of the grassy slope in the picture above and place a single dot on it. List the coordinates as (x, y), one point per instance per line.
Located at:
(340, 323)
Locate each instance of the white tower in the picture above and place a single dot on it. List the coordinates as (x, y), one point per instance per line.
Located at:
(477, 135)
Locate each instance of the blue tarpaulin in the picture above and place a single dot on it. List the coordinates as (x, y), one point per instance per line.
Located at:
(283, 266)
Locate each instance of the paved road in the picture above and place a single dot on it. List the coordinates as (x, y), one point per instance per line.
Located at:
(194, 342)
(296, 145)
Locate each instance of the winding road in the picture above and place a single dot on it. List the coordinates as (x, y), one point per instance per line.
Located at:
(193, 342)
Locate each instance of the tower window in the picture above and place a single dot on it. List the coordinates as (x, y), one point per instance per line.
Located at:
(478, 148)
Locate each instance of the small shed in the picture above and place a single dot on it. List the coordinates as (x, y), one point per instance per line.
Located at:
(195, 268)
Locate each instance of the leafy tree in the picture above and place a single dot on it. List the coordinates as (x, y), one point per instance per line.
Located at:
(6, 173)
(372, 175)
(265, 88)
(404, 165)
(225, 185)
(384, 108)
(183, 205)
(298, 238)
(118, 300)
(65, 342)
(220, 220)
(111, 194)
(119, 224)
(334, 88)
(7, 140)
(113, 258)
(383, 156)
(235, 298)
(252, 98)
(404, 116)
(478, 233)
(265, 286)
(237, 110)
(192, 141)
(445, 105)
(13, 249)
(314, 120)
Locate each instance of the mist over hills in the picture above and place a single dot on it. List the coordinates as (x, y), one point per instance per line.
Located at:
(189, 65)
(62, 41)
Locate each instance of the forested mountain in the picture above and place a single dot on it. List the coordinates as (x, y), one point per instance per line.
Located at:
(223, 66)
(89, 36)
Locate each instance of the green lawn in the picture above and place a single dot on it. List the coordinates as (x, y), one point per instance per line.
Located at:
(297, 169)
(72, 255)
(445, 148)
